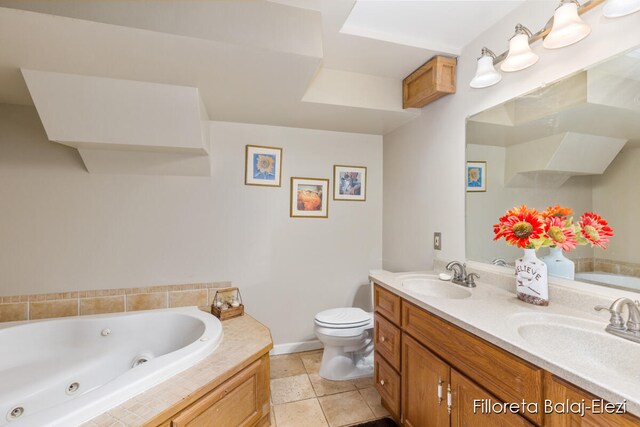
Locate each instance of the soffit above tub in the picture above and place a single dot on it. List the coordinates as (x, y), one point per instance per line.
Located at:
(254, 61)
(604, 100)
(122, 126)
(549, 162)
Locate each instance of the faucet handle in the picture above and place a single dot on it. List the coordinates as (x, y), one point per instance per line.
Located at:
(470, 280)
(615, 321)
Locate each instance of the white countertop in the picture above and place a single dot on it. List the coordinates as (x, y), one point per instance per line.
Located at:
(493, 313)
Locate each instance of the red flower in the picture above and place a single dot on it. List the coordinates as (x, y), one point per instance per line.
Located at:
(561, 234)
(595, 229)
(557, 211)
(519, 227)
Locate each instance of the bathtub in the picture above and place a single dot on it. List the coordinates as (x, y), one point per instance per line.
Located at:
(64, 372)
(617, 280)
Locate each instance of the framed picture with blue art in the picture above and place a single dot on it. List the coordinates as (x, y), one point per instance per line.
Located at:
(350, 183)
(263, 166)
(476, 176)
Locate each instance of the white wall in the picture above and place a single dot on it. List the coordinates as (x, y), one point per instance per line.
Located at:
(64, 229)
(613, 198)
(424, 159)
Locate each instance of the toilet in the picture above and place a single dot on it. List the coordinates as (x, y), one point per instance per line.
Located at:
(347, 335)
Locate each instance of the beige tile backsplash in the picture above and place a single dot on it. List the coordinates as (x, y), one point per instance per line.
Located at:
(64, 304)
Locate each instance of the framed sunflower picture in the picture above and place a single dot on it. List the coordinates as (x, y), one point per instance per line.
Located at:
(263, 166)
(309, 198)
(350, 183)
(476, 176)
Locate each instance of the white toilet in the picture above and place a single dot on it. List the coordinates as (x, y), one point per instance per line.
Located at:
(347, 335)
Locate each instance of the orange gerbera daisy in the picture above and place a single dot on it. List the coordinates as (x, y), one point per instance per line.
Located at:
(561, 233)
(595, 229)
(519, 227)
(557, 211)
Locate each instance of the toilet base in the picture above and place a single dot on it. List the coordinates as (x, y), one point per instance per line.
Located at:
(339, 365)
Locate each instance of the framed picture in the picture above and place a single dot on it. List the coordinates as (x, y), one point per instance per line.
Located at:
(263, 166)
(309, 198)
(476, 176)
(350, 183)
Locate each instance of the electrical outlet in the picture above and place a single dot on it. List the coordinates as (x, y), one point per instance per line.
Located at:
(437, 241)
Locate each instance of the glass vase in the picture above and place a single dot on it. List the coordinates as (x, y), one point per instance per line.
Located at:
(558, 265)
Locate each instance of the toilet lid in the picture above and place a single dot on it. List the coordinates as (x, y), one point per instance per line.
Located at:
(346, 316)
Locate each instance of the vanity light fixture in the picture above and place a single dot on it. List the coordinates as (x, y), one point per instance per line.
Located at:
(520, 55)
(568, 28)
(486, 74)
(618, 8)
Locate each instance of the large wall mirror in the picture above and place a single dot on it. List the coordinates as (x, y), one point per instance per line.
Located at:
(574, 143)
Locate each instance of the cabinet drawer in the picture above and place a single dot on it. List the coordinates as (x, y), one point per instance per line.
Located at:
(508, 377)
(387, 304)
(388, 385)
(387, 340)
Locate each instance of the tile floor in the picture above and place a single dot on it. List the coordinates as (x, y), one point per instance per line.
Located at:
(301, 398)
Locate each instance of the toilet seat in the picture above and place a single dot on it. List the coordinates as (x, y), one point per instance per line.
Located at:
(343, 318)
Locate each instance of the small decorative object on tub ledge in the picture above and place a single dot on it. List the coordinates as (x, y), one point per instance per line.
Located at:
(531, 230)
(227, 303)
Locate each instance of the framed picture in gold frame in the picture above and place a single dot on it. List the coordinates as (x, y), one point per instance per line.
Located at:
(309, 197)
(263, 166)
(350, 183)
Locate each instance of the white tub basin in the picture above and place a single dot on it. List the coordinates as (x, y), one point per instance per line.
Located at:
(430, 286)
(63, 372)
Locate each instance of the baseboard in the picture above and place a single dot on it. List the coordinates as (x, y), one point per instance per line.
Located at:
(295, 347)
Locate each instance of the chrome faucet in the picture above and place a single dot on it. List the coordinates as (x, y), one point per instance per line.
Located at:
(500, 262)
(460, 276)
(617, 326)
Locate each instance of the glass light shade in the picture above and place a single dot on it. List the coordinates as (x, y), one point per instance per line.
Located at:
(568, 28)
(520, 55)
(618, 8)
(486, 74)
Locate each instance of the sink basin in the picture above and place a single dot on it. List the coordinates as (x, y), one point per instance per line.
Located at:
(582, 342)
(431, 286)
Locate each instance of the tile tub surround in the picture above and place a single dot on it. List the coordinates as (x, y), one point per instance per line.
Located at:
(64, 304)
(244, 339)
(302, 398)
(487, 312)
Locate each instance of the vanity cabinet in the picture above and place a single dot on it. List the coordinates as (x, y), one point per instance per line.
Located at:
(559, 390)
(444, 371)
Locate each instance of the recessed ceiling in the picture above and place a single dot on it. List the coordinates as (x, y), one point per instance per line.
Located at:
(441, 26)
(279, 62)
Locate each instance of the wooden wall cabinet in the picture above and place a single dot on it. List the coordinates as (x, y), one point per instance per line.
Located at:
(443, 369)
(433, 80)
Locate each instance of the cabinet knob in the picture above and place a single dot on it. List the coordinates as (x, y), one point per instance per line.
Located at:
(382, 382)
(382, 339)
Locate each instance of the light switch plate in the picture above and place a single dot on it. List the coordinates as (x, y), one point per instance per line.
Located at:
(437, 241)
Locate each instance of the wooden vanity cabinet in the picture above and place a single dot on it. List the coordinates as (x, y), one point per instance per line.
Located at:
(438, 358)
(558, 390)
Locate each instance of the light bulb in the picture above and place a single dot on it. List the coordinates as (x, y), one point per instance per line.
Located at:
(520, 55)
(618, 8)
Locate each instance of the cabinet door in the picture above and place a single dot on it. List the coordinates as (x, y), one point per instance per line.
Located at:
(467, 411)
(237, 402)
(424, 386)
(559, 392)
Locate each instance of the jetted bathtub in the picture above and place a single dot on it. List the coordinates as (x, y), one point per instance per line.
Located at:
(616, 280)
(64, 372)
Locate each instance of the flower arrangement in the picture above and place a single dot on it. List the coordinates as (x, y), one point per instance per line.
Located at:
(530, 229)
